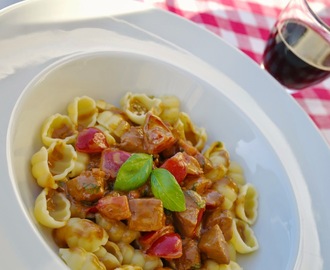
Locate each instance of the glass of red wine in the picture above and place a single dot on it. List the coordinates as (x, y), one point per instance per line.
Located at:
(297, 53)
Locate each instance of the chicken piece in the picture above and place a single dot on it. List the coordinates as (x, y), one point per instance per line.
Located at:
(88, 186)
(147, 214)
(132, 140)
(224, 219)
(197, 183)
(213, 244)
(213, 198)
(190, 258)
(157, 135)
(188, 221)
(114, 207)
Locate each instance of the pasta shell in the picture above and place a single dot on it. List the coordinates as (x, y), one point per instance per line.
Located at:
(219, 157)
(52, 208)
(247, 203)
(79, 259)
(136, 257)
(61, 158)
(109, 260)
(117, 230)
(136, 106)
(229, 190)
(197, 136)
(80, 164)
(110, 139)
(236, 173)
(81, 233)
(53, 164)
(243, 238)
(83, 112)
(171, 109)
(40, 169)
(58, 128)
(113, 122)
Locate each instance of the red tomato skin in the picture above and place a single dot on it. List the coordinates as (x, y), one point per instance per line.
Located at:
(168, 246)
(91, 140)
(176, 165)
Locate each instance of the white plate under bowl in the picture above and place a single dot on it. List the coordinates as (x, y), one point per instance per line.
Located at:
(109, 75)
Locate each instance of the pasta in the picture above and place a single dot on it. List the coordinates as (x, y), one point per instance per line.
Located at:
(136, 106)
(83, 112)
(58, 128)
(81, 233)
(52, 210)
(79, 259)
(132, 187)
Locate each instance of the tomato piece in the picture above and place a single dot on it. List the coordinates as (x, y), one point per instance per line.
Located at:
(148, 238)
(157, 135)
(111, 161)
(177, 166)
(91, 140)
(168, 246)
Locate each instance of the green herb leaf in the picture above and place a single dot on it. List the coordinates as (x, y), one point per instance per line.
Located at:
(134, 172)
(166, 188)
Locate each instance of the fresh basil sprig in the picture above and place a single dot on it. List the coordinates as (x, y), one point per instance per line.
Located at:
(166, 188)
(134, 172)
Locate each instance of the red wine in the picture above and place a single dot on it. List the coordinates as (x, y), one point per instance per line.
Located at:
(297, 56)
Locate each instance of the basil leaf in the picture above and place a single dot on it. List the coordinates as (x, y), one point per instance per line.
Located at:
(165, 187)
(134, 172)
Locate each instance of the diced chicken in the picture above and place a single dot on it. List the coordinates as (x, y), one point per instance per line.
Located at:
(147, 214)
(114, 207)
(132, 140)
(213, 244)
(212, 198)
(190, 258)
(224, 219)
(197, 183)
(188, 221)
(88, 186)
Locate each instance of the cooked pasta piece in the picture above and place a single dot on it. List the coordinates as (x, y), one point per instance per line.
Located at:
(236, 172)
(247, 203)
(229, 190)
(196, 135)
(113, 122)
(212, 265)
(219, 157)
(108, 259)
(80, 164)
(117, 230)
(58, 128)
(40, 169)
(136, 257)
(53, 164)
(129, 267)
(136, 106)
(243, 238)
(102, 105)
(171, 109)
(83, 112)
(82, 233)
(110, 139)
(79, 259)
(52, 209)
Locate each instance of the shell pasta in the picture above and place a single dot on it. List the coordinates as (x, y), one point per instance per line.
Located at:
(139, 186)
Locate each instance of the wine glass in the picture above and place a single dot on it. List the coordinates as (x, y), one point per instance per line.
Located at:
(297, 53)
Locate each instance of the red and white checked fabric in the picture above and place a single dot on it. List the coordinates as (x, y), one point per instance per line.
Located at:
(246, 24)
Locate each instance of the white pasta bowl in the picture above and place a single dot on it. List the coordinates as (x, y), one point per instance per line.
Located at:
(210, 104)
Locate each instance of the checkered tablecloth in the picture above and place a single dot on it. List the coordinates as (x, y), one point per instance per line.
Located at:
(246, 25)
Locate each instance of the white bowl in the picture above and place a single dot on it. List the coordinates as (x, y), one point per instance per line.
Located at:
(109, 75)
